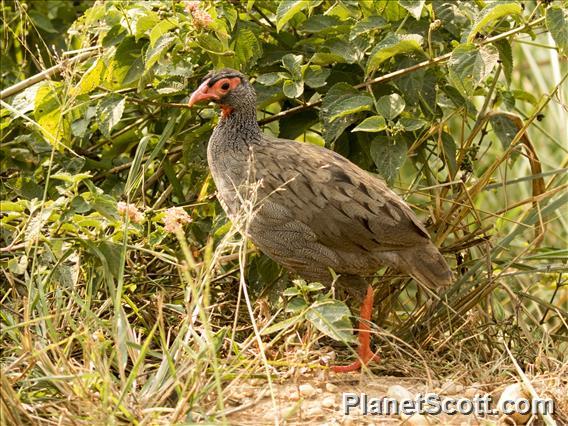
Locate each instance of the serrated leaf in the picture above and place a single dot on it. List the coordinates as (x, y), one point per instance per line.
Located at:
(370, 23)
(326, 58)
(269, 79)
(492, 13)
(293, 89)
(350, 106)
(391, 46)
(469, 65)
(375, 123)
(316, 76)
(388, 155)
(146, 23)
(348, 52)
(126, 66)
(292, 63)
(337, 93)
(247, 48)
(320, 24)
(505, 129)
(297, 304)
(331, 317)
(153, 54)
(24, 101)
(91, 79)
(287, 9)
(160, 29)
(506, 57)
(40, 20)
(450, 147)
(110, 112)
(55, 128)
(315, 287)
(390, 106)
(557, 23)
(287, 323)
(412, 124)
(414, 7)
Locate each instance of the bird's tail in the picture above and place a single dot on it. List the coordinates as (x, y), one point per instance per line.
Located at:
(427, 265)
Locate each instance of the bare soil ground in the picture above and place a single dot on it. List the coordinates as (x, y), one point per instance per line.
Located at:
(316, 399)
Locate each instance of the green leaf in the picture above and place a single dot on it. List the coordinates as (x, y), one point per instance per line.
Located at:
(350, 106)
(370, 23)
(160, 29)
(110, 112)
(146, 23)
(331, 317)
(505, 129)
(269, 79)
(388, 155)
(316, 76)
(287, 323)
(40, 20)
(506, 57)
(449, 146)
(55, 128)
(312, 287)
(375, 123)
(337, 93)
(292, 63)
(297, 304)
(391, 46)
(126, 66)
(153, 54)
(412, 124)
(414, 7)
(293, 89)
(247, 48)
(492, 13)
(321, 24)
(469, 65)
(91, 79)
(390, 106)
(557, 23)
(287, 9)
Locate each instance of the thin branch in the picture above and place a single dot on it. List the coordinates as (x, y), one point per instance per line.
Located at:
(23, 85)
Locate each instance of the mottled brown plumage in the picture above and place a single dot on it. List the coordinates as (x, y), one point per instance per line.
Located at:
(314, 210)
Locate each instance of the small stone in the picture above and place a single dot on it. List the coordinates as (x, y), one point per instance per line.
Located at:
(515, 392)
(399, 393)
(307, 390)
(248, 392)
(330, 387)
(328, 402)
(293, 396)
(347, 421)
(416, 420)
(451, 388)
(314, 411)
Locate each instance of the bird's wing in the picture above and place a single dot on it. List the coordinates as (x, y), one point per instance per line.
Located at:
(344, 206)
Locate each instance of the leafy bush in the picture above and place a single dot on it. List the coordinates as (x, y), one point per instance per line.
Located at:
(110, 297)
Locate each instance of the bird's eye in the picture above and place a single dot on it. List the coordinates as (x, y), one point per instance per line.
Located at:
(225, 86)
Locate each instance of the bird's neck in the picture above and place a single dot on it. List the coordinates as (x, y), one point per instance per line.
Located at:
(237, 128)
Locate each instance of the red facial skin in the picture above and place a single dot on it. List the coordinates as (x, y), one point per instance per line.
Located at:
(215, 92)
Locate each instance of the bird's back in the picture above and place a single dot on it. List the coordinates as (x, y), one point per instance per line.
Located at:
(315, 210)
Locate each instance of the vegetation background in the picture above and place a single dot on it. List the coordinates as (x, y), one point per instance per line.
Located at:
(127, 297)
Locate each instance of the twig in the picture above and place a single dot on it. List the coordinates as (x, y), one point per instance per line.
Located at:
(23, 85)
(399, 73)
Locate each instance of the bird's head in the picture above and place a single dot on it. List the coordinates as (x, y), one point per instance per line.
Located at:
(228, 88)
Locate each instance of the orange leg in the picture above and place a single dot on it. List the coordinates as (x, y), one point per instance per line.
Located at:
(364, 352)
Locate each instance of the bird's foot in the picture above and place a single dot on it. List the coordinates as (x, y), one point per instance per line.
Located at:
(365, 357)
